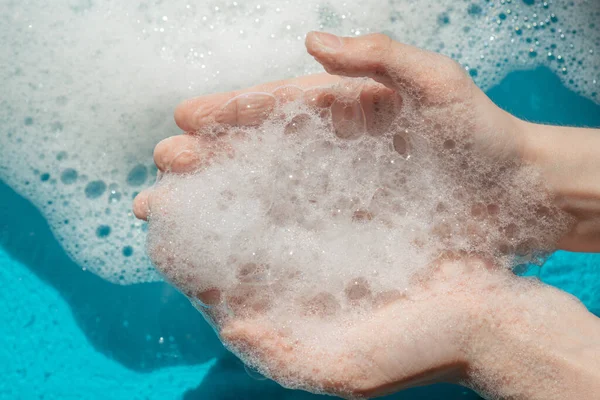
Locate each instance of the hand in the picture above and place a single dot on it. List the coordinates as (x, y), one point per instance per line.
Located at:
(431, 101)
(439, 98)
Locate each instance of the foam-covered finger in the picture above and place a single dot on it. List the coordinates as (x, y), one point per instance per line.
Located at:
(179, 154)
(322, 305)
(188, 153)
(191, 114)
(140, 205)
(345, 111)
(195, 113)
(380, 106)
(288, 93)
(319, 97)
(248, 109)
(246, 336)
(261, 341)
(348, 118)
(156, 200)
(247, 300)
(352, 115)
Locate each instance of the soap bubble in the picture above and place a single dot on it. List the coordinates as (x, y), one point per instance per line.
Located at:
(98, 81)
(307, 235)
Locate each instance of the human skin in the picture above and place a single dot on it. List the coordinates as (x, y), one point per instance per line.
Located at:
(568, 157)
(477, 324)
(570, 161)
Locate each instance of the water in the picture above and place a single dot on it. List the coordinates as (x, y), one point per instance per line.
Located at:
(67, 333)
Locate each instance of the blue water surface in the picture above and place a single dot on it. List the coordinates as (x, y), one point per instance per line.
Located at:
(67, 334)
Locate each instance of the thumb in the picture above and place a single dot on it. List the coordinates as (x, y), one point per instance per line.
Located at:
(376, 56)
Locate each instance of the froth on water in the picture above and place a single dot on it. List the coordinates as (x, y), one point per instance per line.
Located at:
(89, 88)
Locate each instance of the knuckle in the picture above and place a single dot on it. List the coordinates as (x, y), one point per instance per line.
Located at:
(453, 68)
(378, 43)
(441, 79)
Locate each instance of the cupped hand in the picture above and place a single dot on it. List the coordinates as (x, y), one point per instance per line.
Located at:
(425, 333)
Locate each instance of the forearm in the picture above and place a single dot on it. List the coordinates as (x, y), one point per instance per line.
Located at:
(540, 343)
(569, 159)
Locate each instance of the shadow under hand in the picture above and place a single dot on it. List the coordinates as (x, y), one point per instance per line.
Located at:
(125, 323)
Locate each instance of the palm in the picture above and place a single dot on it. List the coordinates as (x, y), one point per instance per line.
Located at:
(427, 109)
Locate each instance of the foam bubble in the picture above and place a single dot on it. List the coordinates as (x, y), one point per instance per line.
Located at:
(309, 232)
(89, 87)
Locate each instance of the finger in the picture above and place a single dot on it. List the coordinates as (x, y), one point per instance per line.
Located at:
(319, 97)
(177, 154)
(187, 153)
(140, 205)
(157, 199)
(395, 65)
(367, 56)
(147, 201)
(380, 106)
(372, 110)
(245, 109)
(193, 114)
(248, 109)
(322, 305)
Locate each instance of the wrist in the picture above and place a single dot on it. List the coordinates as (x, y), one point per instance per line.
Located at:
(569, 162)
(531, 341)
(568, 157)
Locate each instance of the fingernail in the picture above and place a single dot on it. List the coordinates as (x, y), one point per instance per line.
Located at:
(327, 41)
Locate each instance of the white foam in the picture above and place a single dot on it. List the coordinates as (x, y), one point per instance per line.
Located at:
(309, 231)
(90, 86)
